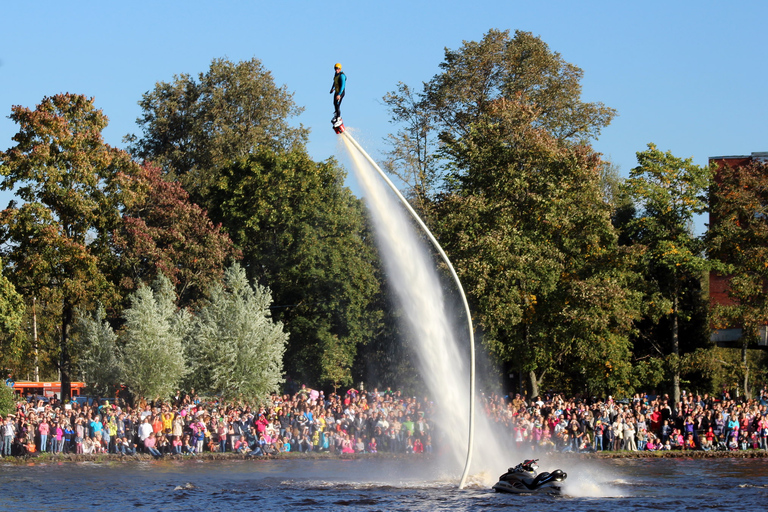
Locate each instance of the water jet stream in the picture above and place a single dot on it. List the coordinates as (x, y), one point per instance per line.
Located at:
(418, 287)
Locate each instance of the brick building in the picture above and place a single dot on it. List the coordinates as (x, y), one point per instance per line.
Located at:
(719, 284)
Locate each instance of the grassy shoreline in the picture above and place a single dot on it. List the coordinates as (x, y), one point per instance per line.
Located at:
(48, 458)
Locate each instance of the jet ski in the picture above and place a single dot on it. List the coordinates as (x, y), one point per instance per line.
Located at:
(523, 479)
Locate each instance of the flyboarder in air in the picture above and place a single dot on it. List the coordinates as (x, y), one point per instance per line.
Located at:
(338, 89)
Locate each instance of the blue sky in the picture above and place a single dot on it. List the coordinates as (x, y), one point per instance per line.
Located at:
(689, 76)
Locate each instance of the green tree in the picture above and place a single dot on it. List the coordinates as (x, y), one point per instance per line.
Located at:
(668, 192)
(738, 246)
(152, 358)
(193, 127)
(7, 400)
(304, 235)
(11, 305)
(99, 362)
(235, 348)
(530, 233)
(525, 209)
(481, 81)
(57, 242)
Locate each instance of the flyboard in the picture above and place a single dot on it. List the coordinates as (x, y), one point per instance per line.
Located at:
(338, 125)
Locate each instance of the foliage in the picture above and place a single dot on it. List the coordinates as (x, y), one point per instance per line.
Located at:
(193, 127)
(668, 191)
(11, 305)
(235, 348)
(525, 210)
(57, 242)
(164, 233)
(7, 400)
(478, 82)
(99, 363)
(738, 243)
(152, 359)
(533, 242)
(304, 234)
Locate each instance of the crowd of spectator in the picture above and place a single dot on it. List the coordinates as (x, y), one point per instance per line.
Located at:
(307, 421)
(696, 422)
(374, 421)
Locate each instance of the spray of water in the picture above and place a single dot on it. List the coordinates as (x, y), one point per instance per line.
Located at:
(443, 365)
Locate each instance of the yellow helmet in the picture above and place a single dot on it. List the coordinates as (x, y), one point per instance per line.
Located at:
(337, 66)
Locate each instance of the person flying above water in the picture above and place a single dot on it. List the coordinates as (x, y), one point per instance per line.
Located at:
(338, 89)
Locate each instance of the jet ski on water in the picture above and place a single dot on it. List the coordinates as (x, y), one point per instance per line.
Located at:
(523, 479)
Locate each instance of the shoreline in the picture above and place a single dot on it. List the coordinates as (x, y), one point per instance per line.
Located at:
(48, 458)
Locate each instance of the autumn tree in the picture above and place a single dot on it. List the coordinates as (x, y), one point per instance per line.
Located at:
(668, 192)
(303, 234)
(57, 240)
(738, 246)
(192, 127)
(163, 232)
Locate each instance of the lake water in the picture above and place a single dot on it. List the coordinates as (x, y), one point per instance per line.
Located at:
(377, 484)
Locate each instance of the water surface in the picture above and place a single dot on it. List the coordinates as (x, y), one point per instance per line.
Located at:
(376, 484)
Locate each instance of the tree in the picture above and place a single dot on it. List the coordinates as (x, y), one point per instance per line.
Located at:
(11, 305)
(668, 192)
(482, 81)
(99, 363)
(236, 349)
(497, 143)
(303, 233)
(152, 359)
(7, 400)
(738, 246)
(531, 237)
(12, 309)
(193, 127)
(162, 232)
(57, 241)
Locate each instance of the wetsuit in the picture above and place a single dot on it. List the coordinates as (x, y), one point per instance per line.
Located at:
(338, 89)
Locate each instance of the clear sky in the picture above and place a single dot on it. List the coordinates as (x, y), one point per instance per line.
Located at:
(689, 76)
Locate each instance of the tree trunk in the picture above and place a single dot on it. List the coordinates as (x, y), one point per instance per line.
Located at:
(676, 352)
(745, 368)
(535, 383)
(65, 364)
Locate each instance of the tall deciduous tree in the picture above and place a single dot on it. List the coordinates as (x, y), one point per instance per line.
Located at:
(152, 361)
(57, 241)
(531, 235)
(738, 245)
(235, 348)
(501, 130)
(303, 234)
(669, 192)
(478, 82)
(192, 127)
(162, 232)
